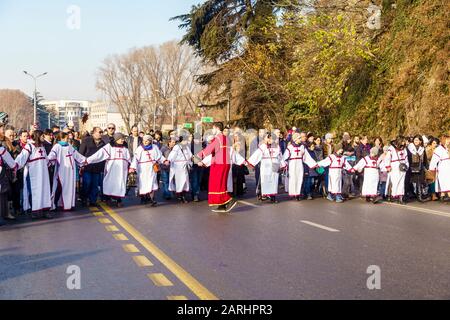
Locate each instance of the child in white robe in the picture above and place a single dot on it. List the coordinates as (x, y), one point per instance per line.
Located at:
(272, 162)
(180, 159)
(65, 158)
(295, 155)
(118, 160)
(397, 164)
(440, 163)
(336, 163)
(370, 165)
(146, 158)
(36, 181)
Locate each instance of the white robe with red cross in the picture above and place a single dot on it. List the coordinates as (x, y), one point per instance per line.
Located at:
(143, 162)
(65, 159)
(271, 162)
(440, 162)
(371, 167)
(396, 178)
(336, 164)
(295, 156)
(180, 158)
(116, 169)
(35, 163)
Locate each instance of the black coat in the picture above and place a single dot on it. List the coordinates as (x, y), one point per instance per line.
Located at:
(87, 148)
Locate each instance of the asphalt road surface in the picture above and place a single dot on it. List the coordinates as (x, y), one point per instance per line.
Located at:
(292, 250)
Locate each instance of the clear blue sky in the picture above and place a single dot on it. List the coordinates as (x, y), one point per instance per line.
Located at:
(34, 36)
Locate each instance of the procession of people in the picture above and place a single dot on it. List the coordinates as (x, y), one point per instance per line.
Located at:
(42, 172)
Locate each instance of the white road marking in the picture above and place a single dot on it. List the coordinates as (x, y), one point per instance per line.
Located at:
(319, 226)
(421, 210)
(248, 204)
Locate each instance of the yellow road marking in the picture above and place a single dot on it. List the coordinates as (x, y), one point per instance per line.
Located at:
(130, 248)
(176, 298)
(142, 261)
(111, 228)
(94, 209)
(98, 214)
(196, 287)
(120, 237)
(104, 220)
(160, 280)
(421, 210)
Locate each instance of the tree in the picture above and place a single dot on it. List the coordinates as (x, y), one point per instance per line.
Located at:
(18, 106)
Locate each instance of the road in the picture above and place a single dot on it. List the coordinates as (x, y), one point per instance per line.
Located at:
(292, 250)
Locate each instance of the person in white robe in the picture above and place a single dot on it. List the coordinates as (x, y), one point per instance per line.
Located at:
(146, 158)
(397, 164)
(65, 159)
(180, 159)
(36, 181)
(336, 163)
(117, 163)
(440, 163)
(271, 159)
(295, 155)
(371, 167)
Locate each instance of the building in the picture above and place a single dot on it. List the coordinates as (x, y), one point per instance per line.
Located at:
(102, 113)
(68, 110)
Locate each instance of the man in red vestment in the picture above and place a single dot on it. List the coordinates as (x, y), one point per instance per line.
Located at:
(220, 168)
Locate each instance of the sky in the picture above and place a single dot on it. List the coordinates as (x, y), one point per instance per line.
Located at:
(70, 39)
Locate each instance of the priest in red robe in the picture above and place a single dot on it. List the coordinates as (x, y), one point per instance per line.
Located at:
(218, 194)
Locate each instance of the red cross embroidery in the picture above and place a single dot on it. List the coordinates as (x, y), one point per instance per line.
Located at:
(339, 161)
(401, 154)
(374, 163)
(149, 156)
(120, 153)
(70, 159)
(41, 152)
(271, 152)
(297, 150)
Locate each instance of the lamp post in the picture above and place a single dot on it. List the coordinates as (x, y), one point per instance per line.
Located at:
(35, 93)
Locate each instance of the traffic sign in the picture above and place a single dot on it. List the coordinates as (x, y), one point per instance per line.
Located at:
(187, 125)
(207, 119)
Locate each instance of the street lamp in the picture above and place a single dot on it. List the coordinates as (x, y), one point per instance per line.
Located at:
(35, 92)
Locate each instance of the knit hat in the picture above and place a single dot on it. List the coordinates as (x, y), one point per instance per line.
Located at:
(373, 151)
(118, 136)
(147, 137)
(328, 136)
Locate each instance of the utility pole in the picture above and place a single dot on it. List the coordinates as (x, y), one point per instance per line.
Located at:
(35, 93)
(172, 113)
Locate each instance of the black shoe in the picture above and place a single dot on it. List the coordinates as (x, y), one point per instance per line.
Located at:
(49, 215)
(222, 208)
(273, 199)
(230, 205)
(377, 199)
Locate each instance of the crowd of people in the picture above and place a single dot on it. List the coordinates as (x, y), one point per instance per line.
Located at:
(43, 171)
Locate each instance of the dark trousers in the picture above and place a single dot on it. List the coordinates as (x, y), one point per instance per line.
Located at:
(165, 184)
(91, 182)
(238, 180)
(195, 175)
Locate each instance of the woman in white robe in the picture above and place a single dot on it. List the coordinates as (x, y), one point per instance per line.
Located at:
(180, 162)
(397, 164)
(272, 162)
(371, 166)
(336, 163)
(440, 163)
(118, 160)
(295, 155)
(36, 181)
(65, 158)
(145, 158)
